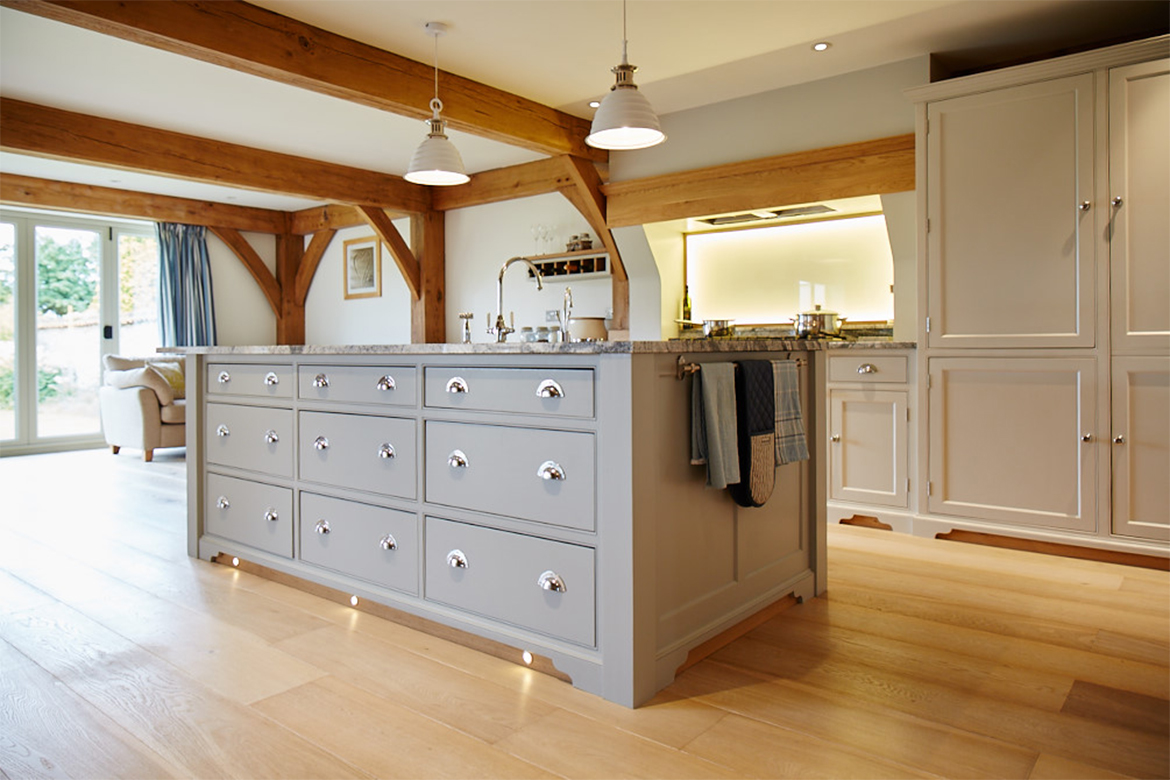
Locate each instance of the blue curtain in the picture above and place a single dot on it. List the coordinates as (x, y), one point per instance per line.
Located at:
(186, 310)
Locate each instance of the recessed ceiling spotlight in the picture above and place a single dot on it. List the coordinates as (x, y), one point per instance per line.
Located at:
(821, 46)
(595, 104)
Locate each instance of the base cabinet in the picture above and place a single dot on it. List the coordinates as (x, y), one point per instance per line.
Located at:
(1140, 447)
(867, 455)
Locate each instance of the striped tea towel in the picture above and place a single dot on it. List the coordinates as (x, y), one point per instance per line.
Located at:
(791, 445)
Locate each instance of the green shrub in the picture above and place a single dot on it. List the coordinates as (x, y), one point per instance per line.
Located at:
(46, 385)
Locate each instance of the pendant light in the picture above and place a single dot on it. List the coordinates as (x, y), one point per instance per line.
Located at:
(625, 119)
(436, 162)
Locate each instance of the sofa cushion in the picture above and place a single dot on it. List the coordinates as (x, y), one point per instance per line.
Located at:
(174, 414)
(119, 363)
(145, 376)
(172, 372)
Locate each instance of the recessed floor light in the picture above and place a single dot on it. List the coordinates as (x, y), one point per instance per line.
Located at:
(821, 46)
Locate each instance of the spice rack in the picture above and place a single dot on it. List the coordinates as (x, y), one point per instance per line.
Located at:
(582, 264)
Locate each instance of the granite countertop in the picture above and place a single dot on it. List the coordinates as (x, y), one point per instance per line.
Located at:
(578, 348)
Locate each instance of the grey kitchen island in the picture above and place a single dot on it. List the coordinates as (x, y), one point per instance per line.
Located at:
(536, 499)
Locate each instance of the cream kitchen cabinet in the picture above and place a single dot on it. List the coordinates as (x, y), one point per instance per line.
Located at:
(1140, 447)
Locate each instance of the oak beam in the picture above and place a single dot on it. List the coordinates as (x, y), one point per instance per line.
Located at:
(20, 190)
(253, 40)
(389, 235)
(65, 135)
(874, 167)
(310, 262)
(331, 217)
(428, 316)
(584, 192)
(247, 255)
(290, 320)
(515, 181)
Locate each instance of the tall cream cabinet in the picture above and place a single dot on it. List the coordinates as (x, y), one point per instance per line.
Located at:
(1044, 262)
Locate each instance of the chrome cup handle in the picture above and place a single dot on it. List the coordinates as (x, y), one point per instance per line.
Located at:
(386, 451)
(321, 380)
(551, 470)
(867, 368)
(457, 384)
(270, 436)
(550, 388)
(222, 430)
(457, 559)
(457, 459)
(271, 379)
(322, 527)
(388, 542)
(385, 382)
(550, 580)
(321, 443)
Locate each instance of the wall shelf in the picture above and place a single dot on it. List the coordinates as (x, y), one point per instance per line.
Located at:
(582, 264)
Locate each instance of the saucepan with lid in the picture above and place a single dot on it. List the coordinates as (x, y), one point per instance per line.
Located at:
(818, 323)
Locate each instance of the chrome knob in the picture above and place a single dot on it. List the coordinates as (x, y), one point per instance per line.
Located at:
(271, 379)
(270, 436)
(224, 377)
(321, 380)
(867, 368)
(1116, 202)
(550, 388)
(222, 430)
(386, 382)
(457, 384)
(835, 438)
(1119, 438)
(388, 542)
(457, 459)
(321, 443)
(551, 470)
(322, 527)
(386, 451)
(1086, 437)
(457, 559)
(222, 503)
(550, 580)
(1085, 205)
(270, 515)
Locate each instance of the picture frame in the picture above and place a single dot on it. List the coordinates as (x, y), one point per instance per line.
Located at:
(362, 268)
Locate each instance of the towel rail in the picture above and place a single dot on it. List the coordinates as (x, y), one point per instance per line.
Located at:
(687, 368)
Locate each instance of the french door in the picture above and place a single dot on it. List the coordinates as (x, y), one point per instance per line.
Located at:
(71, 290)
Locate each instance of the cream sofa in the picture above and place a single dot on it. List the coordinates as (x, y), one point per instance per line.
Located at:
(143, 403)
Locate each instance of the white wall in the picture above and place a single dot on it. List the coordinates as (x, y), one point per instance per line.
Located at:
(242, 313)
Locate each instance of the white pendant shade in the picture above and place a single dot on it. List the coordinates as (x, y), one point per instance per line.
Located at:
(436, 161)
(625, 120)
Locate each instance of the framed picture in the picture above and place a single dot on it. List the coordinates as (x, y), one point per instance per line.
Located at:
(363, 268)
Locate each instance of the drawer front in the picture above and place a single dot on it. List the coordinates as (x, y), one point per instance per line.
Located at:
(262, 381)
(249, 437)
(384, 385)
(534, 583)
(368, 542)
(250, 513)
(867, 368)
(558, 392)
(534, 474)
(359, 451)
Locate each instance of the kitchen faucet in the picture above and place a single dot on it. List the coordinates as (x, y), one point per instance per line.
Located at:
(501, 329)
(565, 313)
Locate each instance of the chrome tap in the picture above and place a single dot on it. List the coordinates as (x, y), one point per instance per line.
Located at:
(565, 313)
(501, 329)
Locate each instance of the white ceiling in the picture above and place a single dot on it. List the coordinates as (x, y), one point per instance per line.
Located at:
(557, 52)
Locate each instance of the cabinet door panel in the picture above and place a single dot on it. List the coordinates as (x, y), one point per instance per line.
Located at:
(1141, 460)
(868, 446)
(1139, 230)
(1006, 440)
(1010, 252)
(251, 513)
(370, 542)
(365, 452)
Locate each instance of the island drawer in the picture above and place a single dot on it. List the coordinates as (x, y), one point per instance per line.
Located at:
(361, 540)
(252, 379)
(386, 385)
(256, 438)
(867, 368)
(534, 583)
(250, 513)
(536, 474)
(563, 392)
(359, 451)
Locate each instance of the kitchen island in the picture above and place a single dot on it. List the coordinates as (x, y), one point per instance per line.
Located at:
(536, 501)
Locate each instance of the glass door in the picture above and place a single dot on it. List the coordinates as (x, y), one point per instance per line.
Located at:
(8, 385)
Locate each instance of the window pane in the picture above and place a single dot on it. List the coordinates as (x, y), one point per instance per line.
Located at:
(138, 332)
(7, 331)
(68, 262)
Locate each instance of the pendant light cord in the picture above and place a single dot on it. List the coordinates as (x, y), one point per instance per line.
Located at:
(625, 59)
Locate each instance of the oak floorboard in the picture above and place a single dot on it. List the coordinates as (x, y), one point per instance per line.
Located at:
(1124, 708)
(1056, 768)
(1151, 651)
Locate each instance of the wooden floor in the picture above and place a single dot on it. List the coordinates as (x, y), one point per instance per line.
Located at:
(122, 657)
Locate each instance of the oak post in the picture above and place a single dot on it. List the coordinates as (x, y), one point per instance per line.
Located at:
(290, 321)
(428, 320)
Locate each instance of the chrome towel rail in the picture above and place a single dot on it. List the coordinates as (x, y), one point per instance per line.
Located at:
(686, 368)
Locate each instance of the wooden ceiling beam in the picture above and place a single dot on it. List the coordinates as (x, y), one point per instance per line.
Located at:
(408, 264)
(251, 260)
(253, 40)
(309, 263)
(516, 181)
(20, 190)
(65, 135)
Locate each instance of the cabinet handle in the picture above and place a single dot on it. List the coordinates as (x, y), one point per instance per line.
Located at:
(271, 379)
(270, 436)
(835, 438)
(321, 380)
(388, 542)
(222, 503)
(321, 443)
(550, 388)
(550, 580)
(1117, 201)
(551, 470)
(456, 559)
(386, 382)
(1085, 205)
(224, 377)
(322, 527)
(457, 384)
(1086, 437)
(457, 459)
(1119, 438)
(386, 451)
(222, 430)
(867, 368)
(270, 515)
